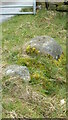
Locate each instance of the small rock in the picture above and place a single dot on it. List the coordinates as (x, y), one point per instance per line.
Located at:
(21, 71)
(46, 45)
(62, 101)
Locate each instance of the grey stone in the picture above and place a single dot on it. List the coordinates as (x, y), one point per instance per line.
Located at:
(21, 71)
(46, 45)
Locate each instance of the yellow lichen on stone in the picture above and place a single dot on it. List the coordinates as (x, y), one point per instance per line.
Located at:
(59, 60)
(28, 49)
(31, 50)
(34, 48)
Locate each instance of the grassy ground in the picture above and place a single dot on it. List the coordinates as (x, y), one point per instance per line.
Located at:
(48, 76)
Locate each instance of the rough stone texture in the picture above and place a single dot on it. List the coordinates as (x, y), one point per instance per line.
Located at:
(46, 45)
(21, 71)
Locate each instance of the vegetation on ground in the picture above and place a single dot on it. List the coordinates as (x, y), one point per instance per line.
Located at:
(48, 76)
